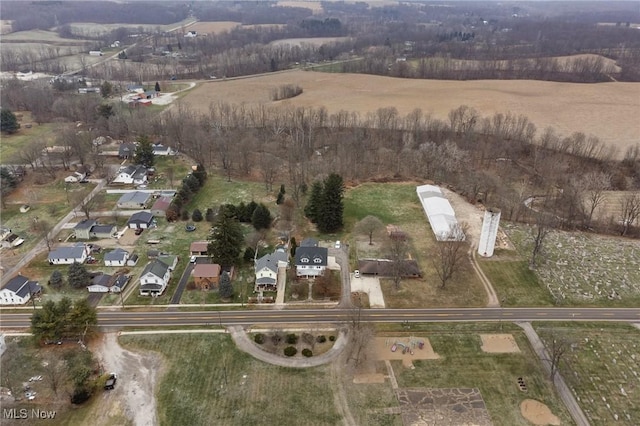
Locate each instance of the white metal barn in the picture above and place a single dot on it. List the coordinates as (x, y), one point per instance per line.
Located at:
(441, 216)
(489, 232)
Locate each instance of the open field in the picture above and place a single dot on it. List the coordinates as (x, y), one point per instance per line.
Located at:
(213, 27)
(11, 144)
(602, 369)
(463, 364)
(207, 382)
(39, 36)
(514, 282)
(398, 204)
(315, 41)
(606, 110)
(584, 269)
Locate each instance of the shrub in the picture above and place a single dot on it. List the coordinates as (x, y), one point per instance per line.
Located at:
(196, 216)
(332, 338)
(321, 339)
(292, 339)
(276, 338)
(290, 351)
(307, 353)
(184, 214)
(259, 338)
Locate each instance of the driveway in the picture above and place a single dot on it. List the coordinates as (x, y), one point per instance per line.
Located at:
(182, 284)
(371, 286)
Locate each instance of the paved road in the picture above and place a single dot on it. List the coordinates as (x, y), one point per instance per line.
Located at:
(118, 319)
(182, 284)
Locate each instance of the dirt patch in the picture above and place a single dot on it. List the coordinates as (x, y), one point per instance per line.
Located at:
(383, 349)
(538, 413)
(499, 343)
(134, 394)
(368, 378)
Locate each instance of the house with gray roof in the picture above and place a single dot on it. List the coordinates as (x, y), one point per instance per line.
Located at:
(154, 278)
(266, 269)
(311, 261)
(116, 257)
(101, 284)
(19, 290)
(89, 228)
(140, 220)
(67, 255)
(126, 150)
(120, 283)
(131, 174)
(134, 200)
(309, 242)
(102, 231)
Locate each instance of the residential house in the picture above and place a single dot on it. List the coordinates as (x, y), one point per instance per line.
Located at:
(311, 261)
(162, 150)
(101, 283)
(169, 259)
(83, 228)
(131, 174)
(135, 88)
(4, 232)
(116, 257)
(198, 248)
(120, 283)
(8, 239)
(149, 94)
(206, 275)
(154, 278)
(126, 150)
(134, 200)
(69, 254)
(133, 260)
(160, 207)
(19, 290)
(266, 269)
(75, 177)
(140, 220)
(89, 228)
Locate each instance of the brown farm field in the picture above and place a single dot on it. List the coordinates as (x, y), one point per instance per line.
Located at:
(213, 27)
(606, 110)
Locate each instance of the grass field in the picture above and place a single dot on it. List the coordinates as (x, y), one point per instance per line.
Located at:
(515, 283)
(463, 364)
(209, 382)
(584, 269)
(11, 144)
(602, 369)
(607, 110)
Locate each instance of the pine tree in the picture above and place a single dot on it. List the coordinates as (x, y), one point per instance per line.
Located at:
(196, 216)
(226, 240)
(226, 289)
(106, 89)
(311, 210)
(56, 279)
(144, 152)
(280, 198)
(8, 121)
(261, 218)
(78, 276)
(294, 246)
(331, 208)
(201, 174)
(210, 215)
(157, 87)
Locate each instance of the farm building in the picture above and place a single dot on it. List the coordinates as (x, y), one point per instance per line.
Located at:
(154, 279)
(489, 233)
(441, 216)
(95, 53)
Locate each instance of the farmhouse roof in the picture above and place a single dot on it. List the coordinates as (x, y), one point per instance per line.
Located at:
(161, 204)
(102, 280)
(157, 268)
(126, 149)
(69, 252)
(121, 281)
(21, 286)
(116, 255)
(136, 197)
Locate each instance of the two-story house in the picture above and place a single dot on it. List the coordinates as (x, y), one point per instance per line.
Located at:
(154, 278)
(311, 261)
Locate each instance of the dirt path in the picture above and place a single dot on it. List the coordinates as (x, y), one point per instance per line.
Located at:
(134, 394)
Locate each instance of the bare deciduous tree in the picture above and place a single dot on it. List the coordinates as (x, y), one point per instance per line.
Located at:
(398, 249)
(542, 227)
(630, 211)
(448, 255)
(369, 225)
(595, 185)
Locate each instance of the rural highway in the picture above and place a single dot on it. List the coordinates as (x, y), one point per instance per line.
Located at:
(119, 319)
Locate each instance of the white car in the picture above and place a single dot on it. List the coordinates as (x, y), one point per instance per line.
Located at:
(356, 273)
(192, 259)
(338, 245)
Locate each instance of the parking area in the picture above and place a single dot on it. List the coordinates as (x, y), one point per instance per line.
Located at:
(371, 286)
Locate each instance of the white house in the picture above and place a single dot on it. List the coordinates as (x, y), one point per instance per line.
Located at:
(18, 291)
(68, 255)
(8, 239)
(311, 261)
(266, 269)
(101, 284)
(95, 53)
(132, 174)
(154, 278)
(75, 177)
(159, 149)
(117, 257)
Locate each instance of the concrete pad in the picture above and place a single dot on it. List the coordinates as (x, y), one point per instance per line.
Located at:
(332, 264)
(371, 286)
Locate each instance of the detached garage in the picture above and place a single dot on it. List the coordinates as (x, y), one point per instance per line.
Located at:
(140, 220)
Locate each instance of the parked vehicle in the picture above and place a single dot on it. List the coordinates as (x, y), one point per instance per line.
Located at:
(356, 273)
(139, 231)
(111, 381)
(190, 228)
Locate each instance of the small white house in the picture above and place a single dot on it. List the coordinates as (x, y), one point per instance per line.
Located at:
(75, 177)
(18, 291)
(101, 284)
(132, 174)
(67, 255)
(154, 279)
(117, 257)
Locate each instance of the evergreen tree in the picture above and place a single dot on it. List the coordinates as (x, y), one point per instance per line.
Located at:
(8, 121)
(192, 183)
(210, 215)
(56, 279)
(294, 246)
(184, 214)
(280, 198)
(282, 191)
(7, 183)
(251, 207)
(331, 208)
(144, 152)
(201, 174)
(242, 213)
(249, 254)
(226, 289)
(312, 209)
(106, 89)
(196, 216)
(78, 277)
(226, 240)
(261, 218)
(157, 87)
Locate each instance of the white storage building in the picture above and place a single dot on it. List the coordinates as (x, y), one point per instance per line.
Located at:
(441, 216)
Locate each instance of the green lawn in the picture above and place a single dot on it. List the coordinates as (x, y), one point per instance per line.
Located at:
(208, 382)
(602, 368)
(515, 283)
(463, 364)
(12, 144)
